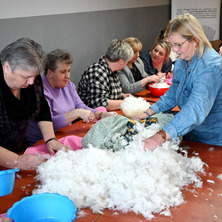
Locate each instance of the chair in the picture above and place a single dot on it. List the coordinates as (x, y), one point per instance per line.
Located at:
(216, 44)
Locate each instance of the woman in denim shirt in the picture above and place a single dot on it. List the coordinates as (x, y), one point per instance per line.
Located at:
(196, 87)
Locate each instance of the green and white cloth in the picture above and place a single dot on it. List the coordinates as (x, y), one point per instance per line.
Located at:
(114, 132)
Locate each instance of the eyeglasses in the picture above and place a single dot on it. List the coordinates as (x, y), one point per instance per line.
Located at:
(178, 46)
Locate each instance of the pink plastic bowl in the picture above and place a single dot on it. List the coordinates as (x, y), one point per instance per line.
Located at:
(157, 91)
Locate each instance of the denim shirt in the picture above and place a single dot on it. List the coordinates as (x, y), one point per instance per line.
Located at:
(197, 90)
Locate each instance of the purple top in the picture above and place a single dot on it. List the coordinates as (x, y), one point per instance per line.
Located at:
(61, 101)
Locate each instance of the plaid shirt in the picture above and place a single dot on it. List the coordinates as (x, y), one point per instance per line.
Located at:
(98, 84)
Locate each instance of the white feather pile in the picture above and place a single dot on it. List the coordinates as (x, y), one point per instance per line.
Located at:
(160, 85)
(134, 106)
(131, 179)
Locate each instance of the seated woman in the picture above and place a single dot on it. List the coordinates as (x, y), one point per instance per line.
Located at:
(60, 93)
(21, 100)
(100, 84)
(133, 77)
(157, 60)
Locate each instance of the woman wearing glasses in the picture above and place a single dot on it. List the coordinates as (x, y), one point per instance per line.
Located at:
(196, 87)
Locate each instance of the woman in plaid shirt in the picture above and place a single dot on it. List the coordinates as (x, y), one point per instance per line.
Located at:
(100, 84)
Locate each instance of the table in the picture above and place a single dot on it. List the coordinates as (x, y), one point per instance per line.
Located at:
(205, 204)
(146, 94)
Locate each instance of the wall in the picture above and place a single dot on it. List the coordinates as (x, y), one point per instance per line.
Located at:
(86, 32)
(30, 8)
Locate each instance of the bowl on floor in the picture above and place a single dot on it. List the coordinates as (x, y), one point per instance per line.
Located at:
(45, 207)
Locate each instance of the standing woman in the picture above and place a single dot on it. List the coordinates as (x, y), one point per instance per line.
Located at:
(21, 100)
(157, 61)
(133, 77)
(196, 87)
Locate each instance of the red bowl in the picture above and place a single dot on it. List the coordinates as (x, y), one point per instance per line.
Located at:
(157, 91)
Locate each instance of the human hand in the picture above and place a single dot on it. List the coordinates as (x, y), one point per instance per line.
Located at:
(161, 74)
(54, 145)
(141, 116)
(124, 95)
(156, 140)
(28, 162)
(154, 78)
(145, 114)
(86, 115)
(6, 219)
(169, 78)
(107, 114)
(220, 50)
(169, 75)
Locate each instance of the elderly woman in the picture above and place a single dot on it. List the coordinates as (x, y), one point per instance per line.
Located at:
(100, 84)
(157, 61)
(196, 87)
(60, 93)
(133, 77)
(21, 100)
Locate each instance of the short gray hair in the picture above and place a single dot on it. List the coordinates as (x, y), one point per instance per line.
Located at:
(24, 54)
(119, 49)
(57, 55)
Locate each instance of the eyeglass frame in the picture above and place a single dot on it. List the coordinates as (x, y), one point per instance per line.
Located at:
(180, 45)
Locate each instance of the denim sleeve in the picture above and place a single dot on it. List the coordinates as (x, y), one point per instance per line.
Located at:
(166, 102)
(198, 98)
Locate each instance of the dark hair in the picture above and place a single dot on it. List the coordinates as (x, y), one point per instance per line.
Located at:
(160, 36)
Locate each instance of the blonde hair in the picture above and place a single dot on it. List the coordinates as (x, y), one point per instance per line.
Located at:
(189, 28)
(135, 43)
(165, 45)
